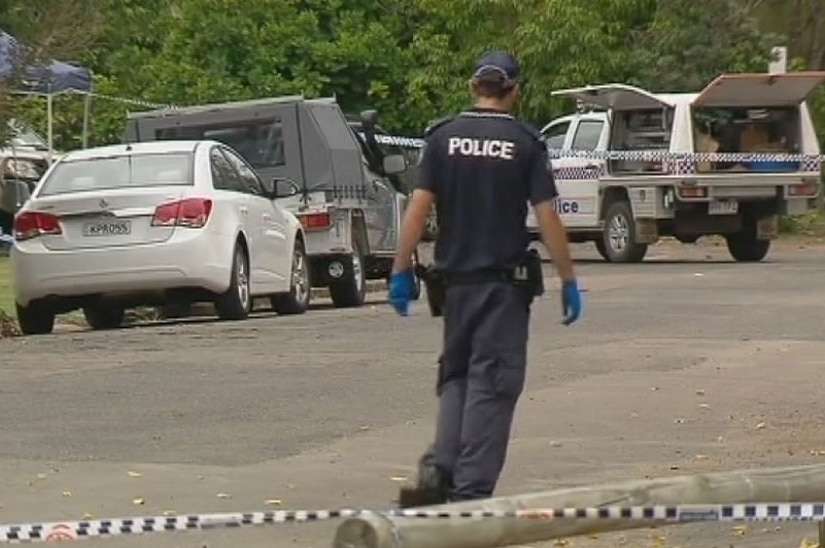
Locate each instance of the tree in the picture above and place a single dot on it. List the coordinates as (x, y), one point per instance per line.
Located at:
(702, 39)
(410, 59)
(45, 30)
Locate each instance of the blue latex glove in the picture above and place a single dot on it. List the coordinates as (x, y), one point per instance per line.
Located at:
(571, 301)
(402, 290)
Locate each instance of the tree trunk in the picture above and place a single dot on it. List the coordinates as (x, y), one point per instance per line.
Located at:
(777, 485)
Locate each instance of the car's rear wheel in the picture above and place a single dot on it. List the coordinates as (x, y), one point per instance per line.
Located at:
(236, 302)
(35, 319)
(297, 300)
(104, 316)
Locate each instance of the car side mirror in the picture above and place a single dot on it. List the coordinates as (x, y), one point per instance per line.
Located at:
(394, 164)
(282, 188)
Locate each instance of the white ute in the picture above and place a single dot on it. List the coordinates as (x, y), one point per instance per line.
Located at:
(727, 160)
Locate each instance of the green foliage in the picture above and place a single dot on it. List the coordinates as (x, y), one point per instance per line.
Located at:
(810, 224)
(410, 59)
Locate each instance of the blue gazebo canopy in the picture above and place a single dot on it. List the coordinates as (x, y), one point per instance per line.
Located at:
(43, 79)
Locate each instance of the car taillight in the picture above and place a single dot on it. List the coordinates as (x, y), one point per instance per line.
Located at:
(190, 213)
(31, 224)
(315, 221)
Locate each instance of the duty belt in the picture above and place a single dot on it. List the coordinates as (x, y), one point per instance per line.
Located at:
(517, 274)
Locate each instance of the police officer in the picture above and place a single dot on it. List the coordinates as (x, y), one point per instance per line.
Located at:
(481, 168)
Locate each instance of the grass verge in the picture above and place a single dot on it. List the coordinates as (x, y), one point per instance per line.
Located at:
(811, 224)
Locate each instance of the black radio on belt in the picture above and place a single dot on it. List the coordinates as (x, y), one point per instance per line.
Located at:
(529, 273)
(436, 285)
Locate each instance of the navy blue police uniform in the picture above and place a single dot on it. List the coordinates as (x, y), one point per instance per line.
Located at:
(483, 167)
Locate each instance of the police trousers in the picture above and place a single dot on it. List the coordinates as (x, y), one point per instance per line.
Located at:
(481, 377)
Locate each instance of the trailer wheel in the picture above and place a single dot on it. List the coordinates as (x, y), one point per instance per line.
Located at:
(619, 238)
(352, 291)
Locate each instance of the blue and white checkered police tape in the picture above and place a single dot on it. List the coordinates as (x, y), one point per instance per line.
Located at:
(812, 160)
(689, 513)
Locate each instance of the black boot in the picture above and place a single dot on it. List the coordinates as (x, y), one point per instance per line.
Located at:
(432, 488)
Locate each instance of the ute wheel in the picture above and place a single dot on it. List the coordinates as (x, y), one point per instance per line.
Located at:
(352, 291)
(236, 302)
(601, 249)
(744, 246)
(619, 238)
(103, 316)
(297, 300)
(34, 319)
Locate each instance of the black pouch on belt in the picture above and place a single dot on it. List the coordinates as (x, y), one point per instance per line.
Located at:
(529, 273)
(436, 286)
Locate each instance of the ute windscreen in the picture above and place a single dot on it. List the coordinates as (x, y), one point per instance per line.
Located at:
(122, 171)
(23, 169)
(260, 142)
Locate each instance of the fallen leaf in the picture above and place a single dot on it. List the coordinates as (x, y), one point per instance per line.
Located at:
(363, 427)
(555, 443)
(67, 493)
(704, 406)
(273, 502)
(41, 475)
(398, 478)
(740, 530)
(678, 421)
(138, 501)
(223, 495)
(702, 457)
(760, 426)
(133, 474)
(169, 513)
(87, 516)
(700, 392)
(807, 543)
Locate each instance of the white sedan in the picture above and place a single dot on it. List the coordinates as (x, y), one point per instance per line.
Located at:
(152, 224)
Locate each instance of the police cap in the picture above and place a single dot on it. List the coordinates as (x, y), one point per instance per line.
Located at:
(500, 62)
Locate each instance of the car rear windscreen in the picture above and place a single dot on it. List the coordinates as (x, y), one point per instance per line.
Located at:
(122, 171)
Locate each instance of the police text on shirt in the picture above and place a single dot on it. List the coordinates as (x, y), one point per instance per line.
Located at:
(488, 148)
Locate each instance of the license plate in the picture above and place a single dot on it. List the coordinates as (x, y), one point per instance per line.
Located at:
(109, 228)
(729, 207)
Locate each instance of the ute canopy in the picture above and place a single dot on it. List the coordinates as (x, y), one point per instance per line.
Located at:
(614, 96)
(761, 89)
(308, 141)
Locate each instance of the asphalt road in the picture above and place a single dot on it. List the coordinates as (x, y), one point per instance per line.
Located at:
(685, 355)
